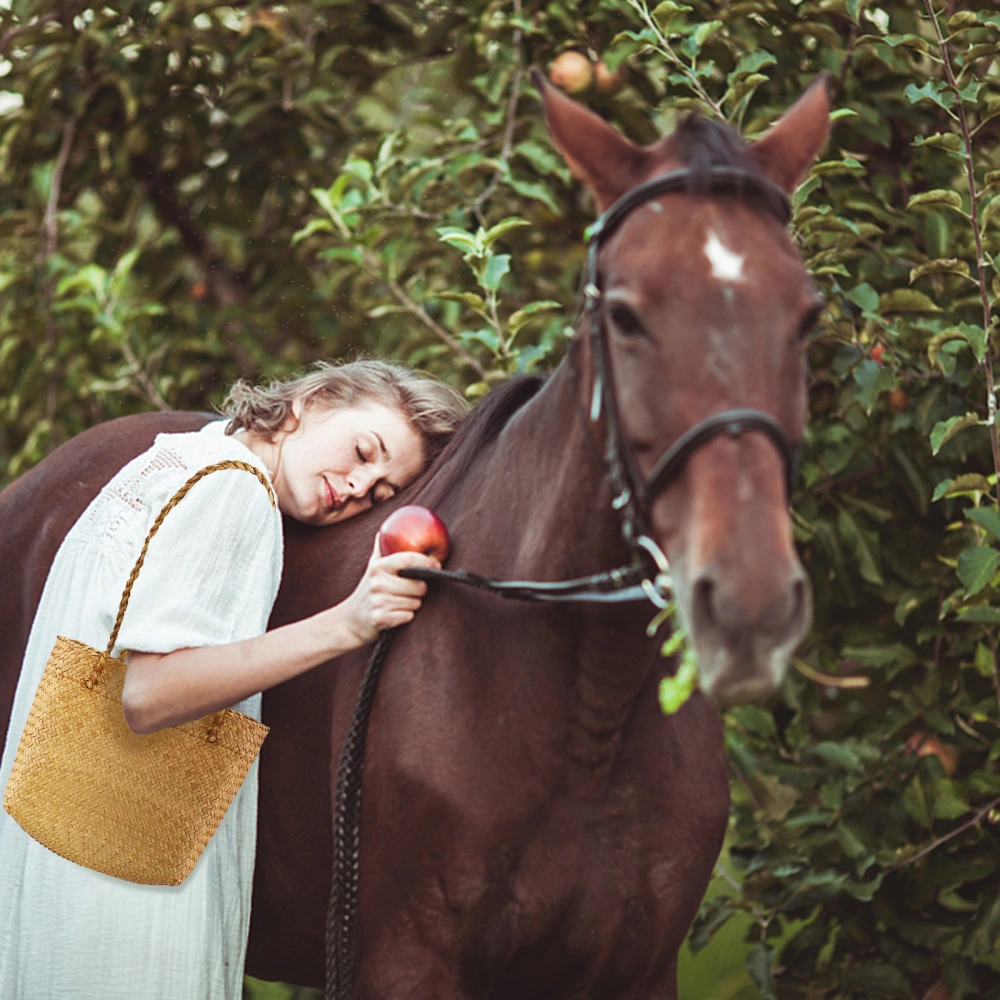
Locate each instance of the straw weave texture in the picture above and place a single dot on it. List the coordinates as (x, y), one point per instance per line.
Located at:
(140, 808)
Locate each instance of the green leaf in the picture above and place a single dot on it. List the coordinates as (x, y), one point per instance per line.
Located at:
(872, 379)
(90, 277)
(976, 567)
(496, 267)
(386, 310)
(983, 615)
(666, 12)
(950, 265)
(713, 915)
(865, 547)
(964, 485)
(475, 302)
(854, 8)
(918, 802)
(353, 254)
(535, 190)
(907, 40)
(743, 88)
(878, 979)
(675, 691)
(759, 965)
(312, 226)
(950, 141)
(460, 239)
(986, 517)
(865, 297)
(962, 20)
(989, 212)
(934, 91)
(495, 232)
(705, 31)
(976, 337)
(522, 316)
(361, 169)
(949, 803)
(945, 430)
(838, 755)
(906, 300)
(983, 935)
(485, 336)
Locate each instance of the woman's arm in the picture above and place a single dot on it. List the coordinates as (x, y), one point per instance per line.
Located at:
(164, 689)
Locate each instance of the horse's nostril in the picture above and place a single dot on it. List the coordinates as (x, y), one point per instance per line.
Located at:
(703, 605)
(798, 604)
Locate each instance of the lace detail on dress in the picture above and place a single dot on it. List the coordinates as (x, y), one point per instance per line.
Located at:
(148, 481)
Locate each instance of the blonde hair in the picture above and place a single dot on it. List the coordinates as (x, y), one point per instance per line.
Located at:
(434, 410)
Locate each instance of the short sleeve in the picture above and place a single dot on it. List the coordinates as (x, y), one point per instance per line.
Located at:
(212, 570)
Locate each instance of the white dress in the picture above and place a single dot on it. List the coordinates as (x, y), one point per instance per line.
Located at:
(211, 576)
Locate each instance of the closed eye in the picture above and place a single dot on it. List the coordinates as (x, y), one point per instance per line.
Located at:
(625, 320)
(360, 454)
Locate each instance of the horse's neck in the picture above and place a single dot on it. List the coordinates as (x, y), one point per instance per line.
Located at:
(551, 475)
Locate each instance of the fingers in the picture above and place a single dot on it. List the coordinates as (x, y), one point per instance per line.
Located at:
(404, 560)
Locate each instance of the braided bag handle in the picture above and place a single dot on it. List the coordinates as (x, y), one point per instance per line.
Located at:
(168, 506)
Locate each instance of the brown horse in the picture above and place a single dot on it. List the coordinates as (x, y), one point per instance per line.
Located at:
(533, 825)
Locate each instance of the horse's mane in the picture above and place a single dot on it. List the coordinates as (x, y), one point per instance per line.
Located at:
(481, 427)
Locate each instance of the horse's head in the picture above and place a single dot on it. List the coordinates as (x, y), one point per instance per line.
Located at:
(704, 303)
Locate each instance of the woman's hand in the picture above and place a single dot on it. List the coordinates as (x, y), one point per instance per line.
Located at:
(164, 689)
(383, 599)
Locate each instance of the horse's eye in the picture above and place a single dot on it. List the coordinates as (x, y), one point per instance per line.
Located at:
(625, 320)
(810, 319)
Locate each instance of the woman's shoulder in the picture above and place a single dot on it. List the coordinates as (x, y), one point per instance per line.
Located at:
(136, 493)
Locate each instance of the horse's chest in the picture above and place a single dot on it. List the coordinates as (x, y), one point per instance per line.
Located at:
(607, 888)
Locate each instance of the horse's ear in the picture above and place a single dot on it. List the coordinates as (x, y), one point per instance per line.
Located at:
(788, 150)
(598, 155)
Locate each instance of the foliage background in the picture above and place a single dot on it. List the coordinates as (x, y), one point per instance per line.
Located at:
(192, 192)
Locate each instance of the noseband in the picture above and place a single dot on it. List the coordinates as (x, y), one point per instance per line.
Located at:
(632, 494)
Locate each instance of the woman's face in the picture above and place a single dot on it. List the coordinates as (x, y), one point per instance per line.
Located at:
(335, 463)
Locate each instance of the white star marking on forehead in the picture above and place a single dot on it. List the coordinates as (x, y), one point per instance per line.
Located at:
(726, 265)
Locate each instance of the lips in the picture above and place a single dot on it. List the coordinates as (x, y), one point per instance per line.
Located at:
(333, 502)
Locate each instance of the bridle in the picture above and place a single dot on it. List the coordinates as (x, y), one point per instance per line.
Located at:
(633, 495)
(647, 577)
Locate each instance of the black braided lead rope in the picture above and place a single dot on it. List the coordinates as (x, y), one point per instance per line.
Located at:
(342, 909)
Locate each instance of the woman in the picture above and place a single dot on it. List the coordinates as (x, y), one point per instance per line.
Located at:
(332, 443)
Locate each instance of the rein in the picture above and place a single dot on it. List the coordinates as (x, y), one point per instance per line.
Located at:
(646, 578)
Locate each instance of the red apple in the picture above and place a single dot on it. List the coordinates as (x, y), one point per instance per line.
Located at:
(608, 81)
(923, 743)
(572, 71)
(414, 529)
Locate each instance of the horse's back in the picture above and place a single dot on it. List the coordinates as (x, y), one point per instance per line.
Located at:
(39, 508)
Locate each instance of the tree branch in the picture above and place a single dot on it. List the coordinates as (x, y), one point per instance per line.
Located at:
(225, 286)
(985, 811)
(991, 399)
(50, 243)
(508, 134)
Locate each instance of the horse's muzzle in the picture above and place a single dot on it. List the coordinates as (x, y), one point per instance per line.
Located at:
(744, 635)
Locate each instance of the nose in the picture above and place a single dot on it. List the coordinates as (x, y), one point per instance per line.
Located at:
(744, 635)
(360, 483)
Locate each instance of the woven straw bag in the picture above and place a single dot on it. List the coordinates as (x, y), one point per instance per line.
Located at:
(141, 808)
